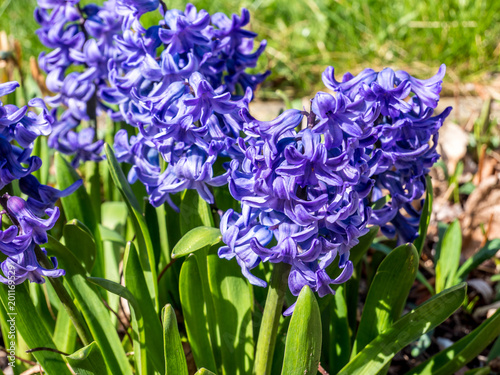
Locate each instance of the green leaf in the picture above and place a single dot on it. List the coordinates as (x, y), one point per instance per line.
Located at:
(449, 257)
(117, 289)
(94, 312)
(112, 236)
(425, 217)
(145, 246)
(339, 341)
(79, 241)
(303, 341)
(486, 252)
(195, 212)
(31, 328)
(145, 334)
(148, 328)
(114, 217)
(64, 333)
(93, 184)
(196, 239)
(204, 371)
(88, 361)
(233, 303)
(407, 329)
(358, 251)
(479, 371)
(387, 295)
(193, 310)
(79, 206)
(494, 351)
(352, 298)
(175, 360)
(455, 357)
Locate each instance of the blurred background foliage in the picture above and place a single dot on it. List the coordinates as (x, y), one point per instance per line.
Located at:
(306, 36)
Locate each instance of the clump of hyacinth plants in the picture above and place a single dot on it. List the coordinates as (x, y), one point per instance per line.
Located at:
(293, 203)
(307, 195)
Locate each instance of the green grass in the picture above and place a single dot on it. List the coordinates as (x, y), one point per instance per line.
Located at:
(306, 36)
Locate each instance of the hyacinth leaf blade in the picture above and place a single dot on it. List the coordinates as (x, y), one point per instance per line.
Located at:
(168, 273)
(148, 331)
(111, 236)
(115, 288)
(303, 341)
(79, 206)
(336, 335)
(194, 212)
(42, 150)
(88, 360)
(193, 305)
(233, 304)
(425, 217)
(145, 246)
(485, 253)
(114, 218)
(359, 250)
(64, 333)
(204, 371)
(156, 221)
(387, 294)
(407, 329)
(352, 298)
(196, 239)
(175, 360)
(455, 357)
(495, 350)
(93, 184)
(154, 232)
(33, 331)
(95, 313)
(80, 242)
(41, 299)
(449, 257)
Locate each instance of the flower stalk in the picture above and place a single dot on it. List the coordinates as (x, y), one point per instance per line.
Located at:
(271, 318)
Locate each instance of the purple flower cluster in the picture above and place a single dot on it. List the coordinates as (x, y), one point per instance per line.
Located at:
(402, 108)
(82, 42)
(177, 83)
(32, 218)
(308, 194)
(181, 83)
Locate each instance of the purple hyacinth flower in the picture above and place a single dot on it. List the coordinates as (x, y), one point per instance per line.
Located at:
(238, 232)
(13, 243)
(42, 197)
(207, 100)
(427, 90)
(390, 95)
(8, 88)
(29, 222)
(11, 167)
(25, 266)
(185, 29)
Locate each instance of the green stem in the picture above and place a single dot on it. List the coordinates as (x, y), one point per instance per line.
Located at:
(81, 328)
(271, 318)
